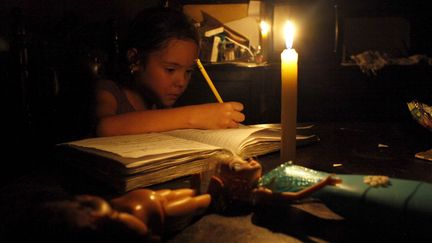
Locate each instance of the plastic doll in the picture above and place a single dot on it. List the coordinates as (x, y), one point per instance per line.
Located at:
(358, 196)
(155, 209)
(141, 215)
(351, 196)
(236, 184)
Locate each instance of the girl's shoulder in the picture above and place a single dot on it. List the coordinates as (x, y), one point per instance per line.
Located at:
(123, 103)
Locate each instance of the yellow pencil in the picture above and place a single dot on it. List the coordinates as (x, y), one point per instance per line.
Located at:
(209, 82)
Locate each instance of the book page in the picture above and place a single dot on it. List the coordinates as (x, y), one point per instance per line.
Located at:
(245, 141)
(141, 145)
(231, 139)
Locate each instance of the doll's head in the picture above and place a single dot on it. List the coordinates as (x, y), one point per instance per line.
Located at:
(239, 170)
(232, 185)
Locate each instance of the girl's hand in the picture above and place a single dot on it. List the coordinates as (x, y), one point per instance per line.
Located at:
(217, 115)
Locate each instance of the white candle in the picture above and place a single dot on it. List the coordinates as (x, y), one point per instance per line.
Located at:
(289, 59)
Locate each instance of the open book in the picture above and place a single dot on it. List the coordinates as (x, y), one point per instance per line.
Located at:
(132, 161)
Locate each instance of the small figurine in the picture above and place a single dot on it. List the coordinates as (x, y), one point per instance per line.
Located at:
(351, 196)
(155, 208)
(141, 215)
(238, 183)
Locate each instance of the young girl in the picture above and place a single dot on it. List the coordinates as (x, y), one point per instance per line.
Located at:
(162, 50)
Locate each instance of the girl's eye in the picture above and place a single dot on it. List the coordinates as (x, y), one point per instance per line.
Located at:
(170, 70)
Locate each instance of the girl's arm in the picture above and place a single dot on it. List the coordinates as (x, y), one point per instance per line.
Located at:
(204, 116)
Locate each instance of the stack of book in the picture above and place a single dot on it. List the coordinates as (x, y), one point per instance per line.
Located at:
(216, 37)
(132, 161)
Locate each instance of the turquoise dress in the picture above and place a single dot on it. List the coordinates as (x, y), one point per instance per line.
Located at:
(405, 201)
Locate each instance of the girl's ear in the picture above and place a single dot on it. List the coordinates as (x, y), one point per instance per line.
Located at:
(132, 55)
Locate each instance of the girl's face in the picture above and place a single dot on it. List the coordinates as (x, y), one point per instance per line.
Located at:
(168, 71)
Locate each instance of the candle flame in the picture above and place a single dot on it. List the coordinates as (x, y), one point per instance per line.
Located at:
(289, 31)
(265, 27)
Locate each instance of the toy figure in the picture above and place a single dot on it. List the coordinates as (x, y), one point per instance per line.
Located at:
(236, 184)
(145, 214)
(154, 209)
(141, 215)
(351, 196)
(408, 198)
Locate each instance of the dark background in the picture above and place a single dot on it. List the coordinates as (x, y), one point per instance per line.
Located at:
(49, 51)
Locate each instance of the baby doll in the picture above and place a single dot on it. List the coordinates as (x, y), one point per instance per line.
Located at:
(141, 215)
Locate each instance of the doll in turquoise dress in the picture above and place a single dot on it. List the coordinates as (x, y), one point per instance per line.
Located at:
(351, 196)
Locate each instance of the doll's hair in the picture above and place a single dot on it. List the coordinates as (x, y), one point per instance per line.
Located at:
(152, 29)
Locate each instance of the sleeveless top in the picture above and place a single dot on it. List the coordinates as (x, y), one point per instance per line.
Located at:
(123, 104)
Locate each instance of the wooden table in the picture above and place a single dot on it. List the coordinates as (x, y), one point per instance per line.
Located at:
(344, 148)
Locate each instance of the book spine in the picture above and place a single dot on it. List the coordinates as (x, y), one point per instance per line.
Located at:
(213, 32)
(215, 49)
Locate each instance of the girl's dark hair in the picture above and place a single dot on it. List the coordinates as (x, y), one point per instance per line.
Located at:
(154, 27)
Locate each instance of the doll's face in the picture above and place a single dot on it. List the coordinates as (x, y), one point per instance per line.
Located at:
(168, 71)
(234, 181)
(248, 172)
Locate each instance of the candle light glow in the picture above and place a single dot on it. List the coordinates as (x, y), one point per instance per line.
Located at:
(289, 32)
(289, 59)
(265, 30)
